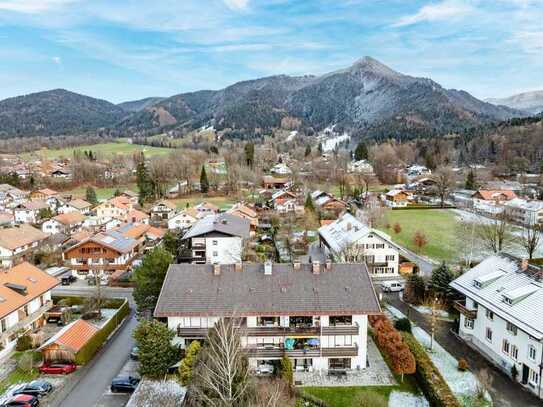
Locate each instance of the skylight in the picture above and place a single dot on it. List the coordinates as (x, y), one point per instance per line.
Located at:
(487, 279)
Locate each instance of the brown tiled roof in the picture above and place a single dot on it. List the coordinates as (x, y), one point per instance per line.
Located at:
(488, 195)
(136, 216)
(156, 232)
(35, 204)
(194, 290)
(168, 204)
(79, 204)
(47, 191)
(36, 282)
(70, 218)
(244, 209)
(269, 179)
(73, 336)
(21, 235)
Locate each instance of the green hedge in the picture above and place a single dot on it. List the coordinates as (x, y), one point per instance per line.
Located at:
(433, 385)
(406, 208)
(87, 352)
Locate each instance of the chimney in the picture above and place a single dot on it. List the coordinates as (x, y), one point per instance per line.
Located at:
(316, 267)
(524, 265)
(349, 226)
(296, 265)
(328, 265)
(239, 267)
(216, 269)
(268, 266)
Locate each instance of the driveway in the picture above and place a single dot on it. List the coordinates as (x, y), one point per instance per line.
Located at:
(504, 392)
(94, 378)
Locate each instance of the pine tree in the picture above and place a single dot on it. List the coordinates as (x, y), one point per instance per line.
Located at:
(440, 280)
(204, 183)
(470, 181)
(319, 148)
(309, 203)
(307, 151)
(361, 152)
(90, 196)
(156, 353)
(143, 181)
(249, 154)
(149, 277)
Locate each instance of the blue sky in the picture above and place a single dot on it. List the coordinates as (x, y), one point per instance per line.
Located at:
(128, 49)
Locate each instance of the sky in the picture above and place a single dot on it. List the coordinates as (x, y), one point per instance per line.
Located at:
(122, 50)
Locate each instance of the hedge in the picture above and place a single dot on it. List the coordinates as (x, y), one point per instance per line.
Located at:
(433, 385)
(406, 208)
(87, 352)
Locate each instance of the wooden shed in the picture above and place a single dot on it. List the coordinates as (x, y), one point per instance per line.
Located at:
(67, 342)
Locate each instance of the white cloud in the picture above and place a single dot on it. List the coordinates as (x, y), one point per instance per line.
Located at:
(446, 10)
(57, 60)
(32, 6)
(237, 4)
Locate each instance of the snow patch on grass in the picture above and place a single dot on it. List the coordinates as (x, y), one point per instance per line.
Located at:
(403, 399)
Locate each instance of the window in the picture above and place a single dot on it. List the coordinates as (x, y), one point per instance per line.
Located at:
(511, 328)
(214, 242)
(390, 257)
(468, 323)
(506, 346)
(215, 254)
(532, 353)
(534, 377)
(490, 315)
(3, 325)
(514, 352)
(489, 334)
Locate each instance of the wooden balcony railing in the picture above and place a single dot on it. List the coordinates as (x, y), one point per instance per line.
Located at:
(277, 331)
(460, 306)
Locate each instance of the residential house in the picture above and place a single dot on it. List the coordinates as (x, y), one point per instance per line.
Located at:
(397, 198)
(179, 188)
(244, 211)
(327, 202)
(417, 170)
(43, 194)
(281, 170)
(25, 294)
(524, 212)
(131, 196)
(315, 314)
(216, 239)
(108, 253)
(495, 196)
(6, 219)
(205, 209)
(361, 167)
(271, 182)
(29, 212)
(66, 223)
(183, 220)
(136, 216)
(75, 205)
(349, 240)
(499, 316)
(162, 212)
(117, 207)
(146, 235)
(19, 243)
(10, 197)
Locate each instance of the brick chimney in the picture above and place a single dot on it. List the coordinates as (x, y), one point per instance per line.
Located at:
(524, 264)
(316, 267)
(328, 265)
(216, 269)
(239, 266)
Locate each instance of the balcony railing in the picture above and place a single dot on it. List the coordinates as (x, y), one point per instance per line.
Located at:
(277, 352)
(277, 331)
(460, 306)
(23, 323)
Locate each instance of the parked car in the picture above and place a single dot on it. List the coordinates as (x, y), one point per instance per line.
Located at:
(21, 400)
(57, 368)
(68, 279)
(264, 369)
(124, 384)
(392, 286)
(37, 388)
(55, 313)
(135, 353)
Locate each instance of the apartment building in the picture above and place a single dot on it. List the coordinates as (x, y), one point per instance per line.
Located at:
(66, 223)
(524, 212)
(216, 239)
(19, 243)
(349, 240)
(25, 294)
(500, 315)
(316, 314)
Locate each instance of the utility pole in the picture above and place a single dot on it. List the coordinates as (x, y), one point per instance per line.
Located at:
(433, 324)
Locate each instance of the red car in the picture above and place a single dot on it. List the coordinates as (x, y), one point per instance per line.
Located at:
(57, 368)
(21, 400)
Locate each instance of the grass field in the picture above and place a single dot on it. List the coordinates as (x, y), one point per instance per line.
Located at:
(102, 150)
(437, 224)
(102, 193)
(222, 202)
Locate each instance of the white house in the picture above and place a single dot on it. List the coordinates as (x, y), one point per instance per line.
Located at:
(18, 244)
(315, 314)
(524, 212)
(361, 167)
(501, 315)
(29, 212)
(75, 205)
(217, 239)
(162, 212)
(281, 169)
(66, 223)
(183, 220)
(348, 239)
(25, 294)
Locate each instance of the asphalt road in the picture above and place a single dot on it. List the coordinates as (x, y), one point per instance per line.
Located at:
(108, 362)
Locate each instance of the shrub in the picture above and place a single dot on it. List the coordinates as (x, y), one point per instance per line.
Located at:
(370, 399)
(24, 343)
(26, 362)
(397, 228)
(462, 365)
(286, 371)
(403, 325)
(432, 384)
(185, 370)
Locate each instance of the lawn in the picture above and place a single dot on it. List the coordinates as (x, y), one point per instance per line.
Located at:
(103, 149)
(437, 224)
(19, 376)
(339, 396)
(102, 193)
(223, 202)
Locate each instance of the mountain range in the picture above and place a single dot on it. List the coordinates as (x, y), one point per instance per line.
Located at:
(531, 102)
(367, 97)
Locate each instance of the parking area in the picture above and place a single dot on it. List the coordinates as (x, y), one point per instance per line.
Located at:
(110, 399)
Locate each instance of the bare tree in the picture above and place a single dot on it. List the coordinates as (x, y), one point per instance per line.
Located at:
(494, 234)
(531, 236)
(221, 374)
(352, 253)
(444, 179)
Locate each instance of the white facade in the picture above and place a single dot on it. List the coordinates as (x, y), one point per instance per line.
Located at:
(24, 215)
(181, 221)
(524, 212)
(217, 249)
(8, 256)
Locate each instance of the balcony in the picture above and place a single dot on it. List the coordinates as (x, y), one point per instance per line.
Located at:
(25, 321)
(278, 352)
(460, 306)
(192, 332)
(341, 330)
(280, 331)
